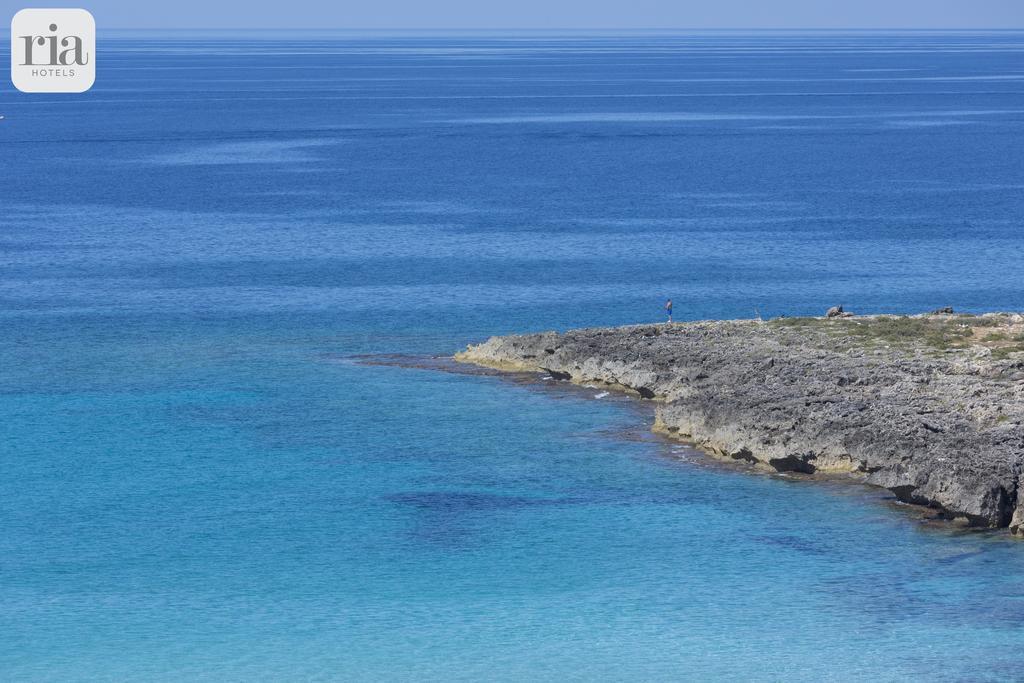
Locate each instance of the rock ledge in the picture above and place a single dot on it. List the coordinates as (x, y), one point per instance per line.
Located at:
(929, 407)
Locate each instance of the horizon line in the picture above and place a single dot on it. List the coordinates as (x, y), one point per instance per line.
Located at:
(568, 28)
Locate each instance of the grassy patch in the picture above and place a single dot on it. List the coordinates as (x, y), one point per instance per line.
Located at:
(799, 322)
(903, 331)
(936, 333)
(978, 321)
(931, 334)
(1003, 352)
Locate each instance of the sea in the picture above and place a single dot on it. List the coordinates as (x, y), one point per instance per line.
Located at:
(231, 273)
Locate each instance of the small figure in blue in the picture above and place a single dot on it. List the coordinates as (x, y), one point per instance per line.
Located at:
(668, 309)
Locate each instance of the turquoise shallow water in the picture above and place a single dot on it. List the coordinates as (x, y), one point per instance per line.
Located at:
(203, 481)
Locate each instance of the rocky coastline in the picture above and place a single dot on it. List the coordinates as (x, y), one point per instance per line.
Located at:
(930, 407)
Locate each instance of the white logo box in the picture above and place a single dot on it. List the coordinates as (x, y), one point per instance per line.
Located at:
(53, 50)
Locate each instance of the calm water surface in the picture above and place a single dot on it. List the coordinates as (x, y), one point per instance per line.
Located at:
(200, 482)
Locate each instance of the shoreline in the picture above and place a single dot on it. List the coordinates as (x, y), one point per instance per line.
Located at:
(928, 407)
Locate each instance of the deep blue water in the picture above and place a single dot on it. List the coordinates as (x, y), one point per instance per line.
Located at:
(201, 482)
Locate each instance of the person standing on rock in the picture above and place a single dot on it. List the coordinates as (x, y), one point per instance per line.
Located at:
(668, 309)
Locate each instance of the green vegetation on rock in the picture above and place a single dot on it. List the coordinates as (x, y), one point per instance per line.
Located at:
(937, 333)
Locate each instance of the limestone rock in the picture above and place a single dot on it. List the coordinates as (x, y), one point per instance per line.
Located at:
(939, 427)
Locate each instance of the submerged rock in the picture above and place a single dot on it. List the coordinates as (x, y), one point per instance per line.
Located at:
(905, 403)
